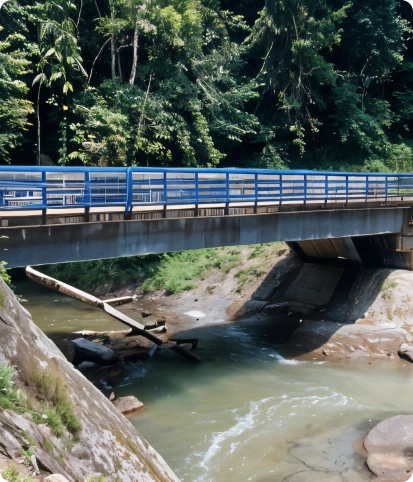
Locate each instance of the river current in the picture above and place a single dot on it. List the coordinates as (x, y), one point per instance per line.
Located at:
(245, 413)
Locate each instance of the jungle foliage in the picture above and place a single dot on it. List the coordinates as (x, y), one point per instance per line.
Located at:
(261, 83)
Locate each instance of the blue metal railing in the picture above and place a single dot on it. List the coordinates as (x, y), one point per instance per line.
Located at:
(42, 187)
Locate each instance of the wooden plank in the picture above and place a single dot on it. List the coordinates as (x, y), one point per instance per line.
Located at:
(68, 290)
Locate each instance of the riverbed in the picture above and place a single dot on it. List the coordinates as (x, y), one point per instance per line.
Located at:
(245, 413)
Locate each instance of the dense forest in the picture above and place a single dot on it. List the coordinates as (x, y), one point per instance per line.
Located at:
(320, 84)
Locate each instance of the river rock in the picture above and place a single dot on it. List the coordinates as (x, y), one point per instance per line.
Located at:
(108, 444)
(343, 340)
(390, 449)
(86, 365)
(406, 352)
(55, 478)
(128, 404)
(86, 350)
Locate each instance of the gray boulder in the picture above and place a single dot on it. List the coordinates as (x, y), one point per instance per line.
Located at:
(390, 449)
(86, 350)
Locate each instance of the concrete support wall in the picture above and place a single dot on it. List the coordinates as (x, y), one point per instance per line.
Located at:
(85, 241)
(330, 248)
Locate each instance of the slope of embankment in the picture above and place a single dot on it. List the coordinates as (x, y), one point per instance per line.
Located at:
(60, 418)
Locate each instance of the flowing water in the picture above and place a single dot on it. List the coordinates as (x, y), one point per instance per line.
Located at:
(245, 413)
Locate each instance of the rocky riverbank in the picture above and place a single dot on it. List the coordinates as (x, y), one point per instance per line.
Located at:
(53, 420)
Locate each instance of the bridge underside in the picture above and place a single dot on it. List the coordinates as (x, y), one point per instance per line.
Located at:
(380, 250)
(323, 233)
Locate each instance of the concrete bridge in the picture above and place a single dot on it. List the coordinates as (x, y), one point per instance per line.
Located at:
(51, 215)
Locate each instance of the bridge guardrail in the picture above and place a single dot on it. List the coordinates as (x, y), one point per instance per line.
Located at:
(42, 187)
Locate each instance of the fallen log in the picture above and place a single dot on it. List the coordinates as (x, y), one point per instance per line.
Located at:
(120, 301)
(183, 341)
(68, 290)
(186, 353)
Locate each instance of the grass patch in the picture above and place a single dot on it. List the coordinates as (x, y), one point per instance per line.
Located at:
(27, 454)
(60, 414)
(171, 272)
(56, 411)
(48, 445)
(26, 435)
(11, 474)
(248, 275)
(385, 287)
(388, 285)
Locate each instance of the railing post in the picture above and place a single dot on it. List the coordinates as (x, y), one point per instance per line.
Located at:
(305, 189)
(196, 210)
(256, 193)
(44, 197)
(165, 194)
(281, 189)
(367, 188)
(346, 190)
(129, 194)
(326, 190)
(226, 210)
(386, 187)
(87, 196)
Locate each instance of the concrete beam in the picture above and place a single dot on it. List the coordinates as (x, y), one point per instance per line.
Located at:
(35, 245)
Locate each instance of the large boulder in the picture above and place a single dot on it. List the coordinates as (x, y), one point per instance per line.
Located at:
(343, 340)
(390, 449)
(128, 404)
(86, 350)
(108, 443)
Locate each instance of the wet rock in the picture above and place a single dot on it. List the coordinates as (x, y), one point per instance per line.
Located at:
(312, 338)
(55, 478)
(86, 365)
(275, 308)
(86, 350)
(68, 350)
(127, 404)
(406, 352)
(146, 313)
(390, 449)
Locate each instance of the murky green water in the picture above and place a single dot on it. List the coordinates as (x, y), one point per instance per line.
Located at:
(245, 414)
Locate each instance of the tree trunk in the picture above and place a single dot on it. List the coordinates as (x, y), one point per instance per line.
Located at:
(135, 53)
(119, 66)
(38, 123)
(113, 58)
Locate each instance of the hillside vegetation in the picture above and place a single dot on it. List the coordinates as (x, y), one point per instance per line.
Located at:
(272, 84)
(172, 272)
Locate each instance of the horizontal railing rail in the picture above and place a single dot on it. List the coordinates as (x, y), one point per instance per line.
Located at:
(43, 187)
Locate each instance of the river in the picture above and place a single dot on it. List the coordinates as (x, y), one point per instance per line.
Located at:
(245, 413)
